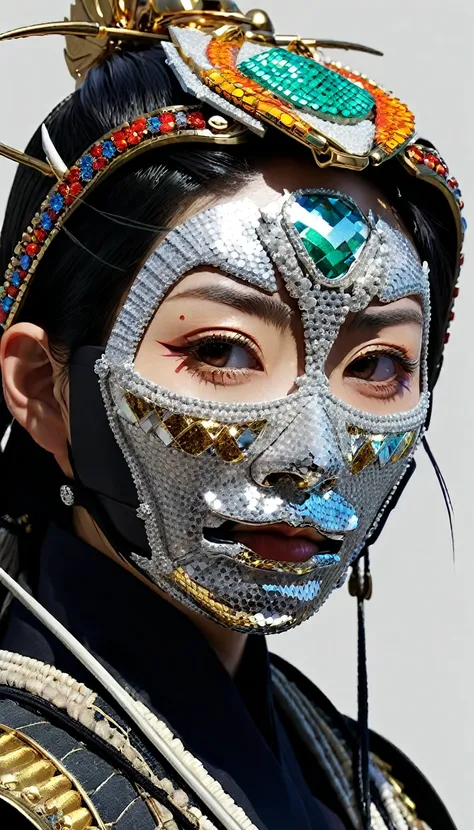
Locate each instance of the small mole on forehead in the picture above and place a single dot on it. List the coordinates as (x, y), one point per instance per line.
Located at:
(182, 317)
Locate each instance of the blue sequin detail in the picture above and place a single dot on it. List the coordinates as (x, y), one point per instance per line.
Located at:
(46, 222)
(153, 124)
(7, 303)
(307, 592)
(16, 280)
(108, 149)
(330, 512)
(25, 262)
(56, 202)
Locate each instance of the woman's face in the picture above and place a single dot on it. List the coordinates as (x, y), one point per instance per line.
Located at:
(217, 338)
(269, 409)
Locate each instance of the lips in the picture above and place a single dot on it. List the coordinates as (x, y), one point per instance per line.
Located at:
(278, 542)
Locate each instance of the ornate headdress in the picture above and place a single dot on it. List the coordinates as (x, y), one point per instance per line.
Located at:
(246, 79)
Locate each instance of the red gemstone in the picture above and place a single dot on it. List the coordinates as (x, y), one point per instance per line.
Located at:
(75, 189)
(167, 127)
(32, 249)
(441, 171)
(461, 204)
(166, 117)
(451, 316)
(139, 125)
(3, 315)
(456, 292)
(22, 274)
(99, 164)
(196, 120)
(461, 259)
(40, 234)
(446, 337)
(73, 175)
(63, 189)
(12, 291)
(68, 200)
(415, 152)
(96, 151)
(52, 214)
(132, 137)
(120, 141)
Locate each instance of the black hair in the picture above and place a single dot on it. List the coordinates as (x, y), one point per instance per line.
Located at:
(90, 265)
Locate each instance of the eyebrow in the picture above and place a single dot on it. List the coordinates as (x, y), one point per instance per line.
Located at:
(371, 319)
(256, 305)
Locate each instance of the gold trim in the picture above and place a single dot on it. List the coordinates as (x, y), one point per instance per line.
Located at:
(40, 787)
(26, 160)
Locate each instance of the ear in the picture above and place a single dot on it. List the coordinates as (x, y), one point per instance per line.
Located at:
(30, 387)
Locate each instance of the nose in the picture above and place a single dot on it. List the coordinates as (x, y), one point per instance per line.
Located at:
(306, 453)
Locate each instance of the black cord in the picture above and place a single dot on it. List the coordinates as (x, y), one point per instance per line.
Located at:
(362, 589)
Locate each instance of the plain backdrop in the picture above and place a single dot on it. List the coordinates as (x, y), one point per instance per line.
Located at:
(421, 618)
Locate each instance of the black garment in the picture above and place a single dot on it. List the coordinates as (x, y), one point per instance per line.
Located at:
(234, 727)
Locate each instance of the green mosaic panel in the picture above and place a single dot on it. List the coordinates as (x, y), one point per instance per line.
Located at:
(332, 231)
(309, 86)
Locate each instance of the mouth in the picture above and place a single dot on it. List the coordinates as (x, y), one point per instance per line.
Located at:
(278, 542)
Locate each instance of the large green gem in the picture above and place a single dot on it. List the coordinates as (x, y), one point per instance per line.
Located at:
(332, 230)
(309, 86)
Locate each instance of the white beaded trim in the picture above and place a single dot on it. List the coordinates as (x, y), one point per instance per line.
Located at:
(62, 691)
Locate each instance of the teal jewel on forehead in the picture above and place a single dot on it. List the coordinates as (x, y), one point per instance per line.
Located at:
(309, 86)
(331, 229)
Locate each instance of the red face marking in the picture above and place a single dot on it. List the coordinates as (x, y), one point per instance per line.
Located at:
(182, 317)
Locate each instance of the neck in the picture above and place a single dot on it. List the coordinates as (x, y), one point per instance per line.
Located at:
(228, 645)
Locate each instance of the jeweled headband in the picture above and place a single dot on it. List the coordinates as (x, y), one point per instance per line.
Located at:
(246, 79)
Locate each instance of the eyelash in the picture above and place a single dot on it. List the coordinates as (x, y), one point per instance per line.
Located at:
(218, 376)
(394, 386)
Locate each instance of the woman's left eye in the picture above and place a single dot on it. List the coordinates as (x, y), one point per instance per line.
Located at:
(373, 368)
(381, 374)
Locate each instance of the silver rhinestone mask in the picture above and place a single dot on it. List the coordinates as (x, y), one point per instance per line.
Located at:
(308, 459)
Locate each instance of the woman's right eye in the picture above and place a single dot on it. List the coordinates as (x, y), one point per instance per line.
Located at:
(224, 354)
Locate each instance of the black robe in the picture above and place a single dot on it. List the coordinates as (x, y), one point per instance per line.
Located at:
(234, 726)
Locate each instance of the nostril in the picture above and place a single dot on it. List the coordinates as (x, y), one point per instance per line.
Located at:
(304, 478)
(274, 479)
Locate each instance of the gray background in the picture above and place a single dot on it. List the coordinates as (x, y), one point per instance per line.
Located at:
(421, 618)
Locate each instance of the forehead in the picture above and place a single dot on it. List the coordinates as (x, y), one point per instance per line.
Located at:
(279, 174)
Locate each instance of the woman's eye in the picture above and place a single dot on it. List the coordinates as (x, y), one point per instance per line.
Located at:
(377, 368)
(228, 355)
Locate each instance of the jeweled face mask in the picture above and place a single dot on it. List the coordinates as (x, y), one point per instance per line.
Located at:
(308, 459)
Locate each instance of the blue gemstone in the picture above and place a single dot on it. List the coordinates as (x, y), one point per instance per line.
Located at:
(56, 202)
(98, 716)
(87, 172)
(25, 262)
(463, 222)
(46, 222)
(7, 303)
(180, 119)
(16, 280)
(153, 124)
(108, 149)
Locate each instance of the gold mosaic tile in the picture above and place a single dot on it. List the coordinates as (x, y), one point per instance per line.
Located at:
(196, 436)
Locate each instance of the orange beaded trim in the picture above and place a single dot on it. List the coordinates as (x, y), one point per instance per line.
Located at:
(394, 122)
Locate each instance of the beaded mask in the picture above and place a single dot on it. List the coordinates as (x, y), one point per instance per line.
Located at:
(308, 459)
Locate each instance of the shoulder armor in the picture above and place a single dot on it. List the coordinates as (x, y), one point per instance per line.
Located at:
(57, 782)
